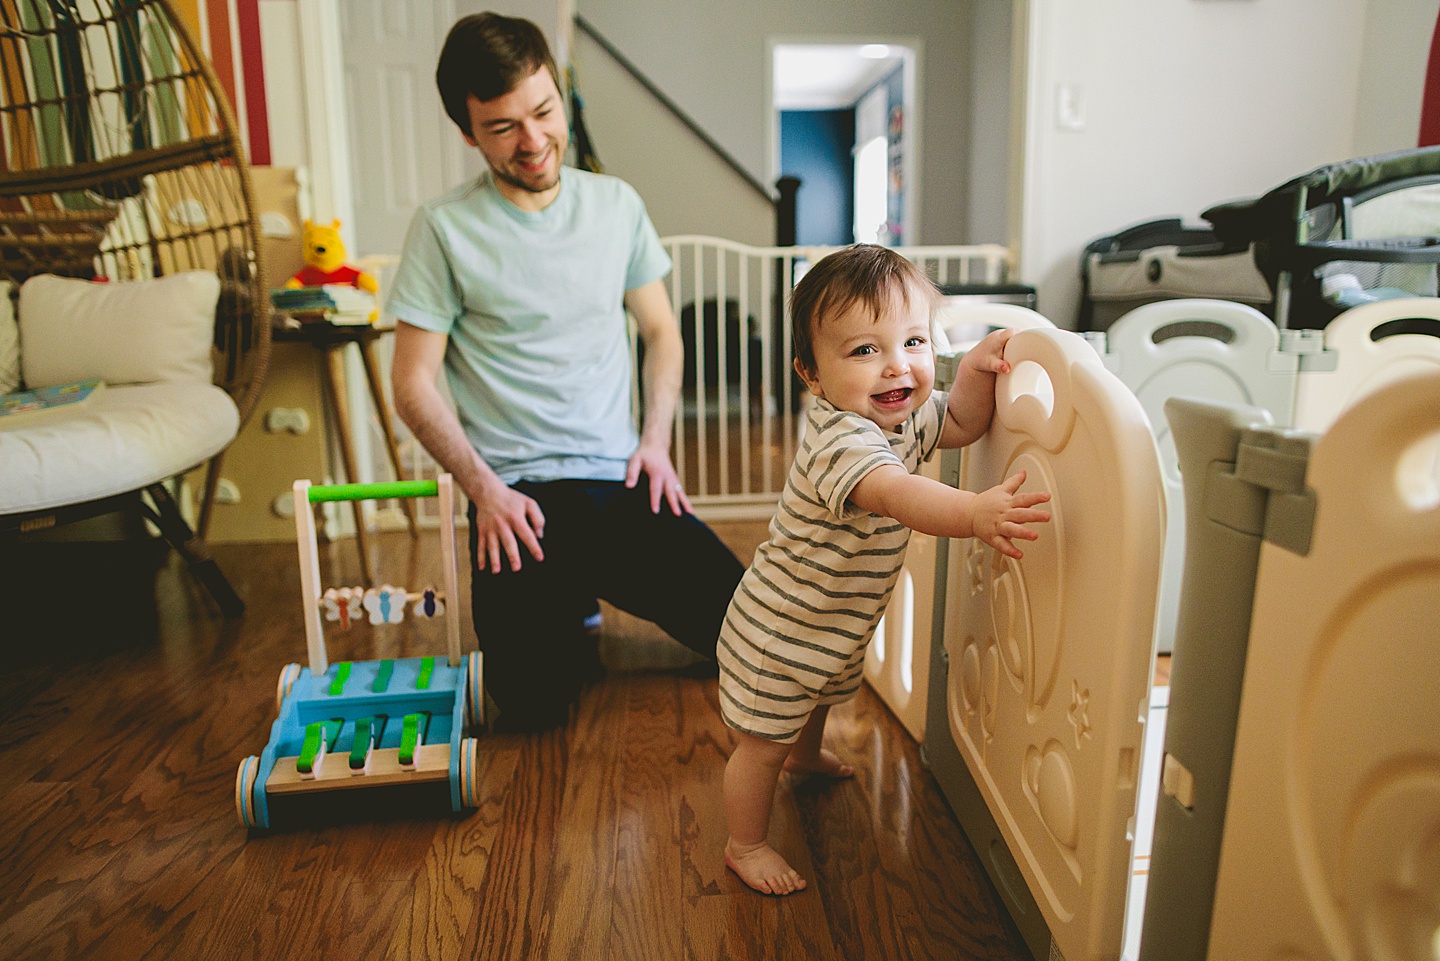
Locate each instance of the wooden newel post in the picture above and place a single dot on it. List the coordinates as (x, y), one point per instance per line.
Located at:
(785, 210)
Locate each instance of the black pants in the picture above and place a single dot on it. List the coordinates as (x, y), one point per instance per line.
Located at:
(601, 541)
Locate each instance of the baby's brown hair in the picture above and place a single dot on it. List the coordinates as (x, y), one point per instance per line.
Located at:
(863, 273)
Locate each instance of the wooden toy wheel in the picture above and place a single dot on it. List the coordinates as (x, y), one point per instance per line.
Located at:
(245, 791)
(469, 773)
(475, 691)
(288, 675)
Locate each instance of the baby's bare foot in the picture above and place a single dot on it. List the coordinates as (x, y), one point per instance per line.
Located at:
(825, 763)
(762, 868)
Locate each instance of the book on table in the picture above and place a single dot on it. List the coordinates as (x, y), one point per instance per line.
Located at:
(335, 303)
(22, 406)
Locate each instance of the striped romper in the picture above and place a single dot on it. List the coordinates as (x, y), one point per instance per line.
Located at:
(797, 627)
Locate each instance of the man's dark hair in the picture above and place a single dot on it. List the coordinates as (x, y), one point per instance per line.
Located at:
(488, 55)
(861, 273)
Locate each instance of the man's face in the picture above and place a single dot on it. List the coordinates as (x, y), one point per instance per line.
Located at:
(523, 135)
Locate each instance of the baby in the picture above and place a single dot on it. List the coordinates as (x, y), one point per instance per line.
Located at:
(793, 641)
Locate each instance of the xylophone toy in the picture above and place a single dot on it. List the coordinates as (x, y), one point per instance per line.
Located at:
(369, 723)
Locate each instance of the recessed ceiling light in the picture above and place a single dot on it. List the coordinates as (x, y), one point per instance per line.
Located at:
(874, 51)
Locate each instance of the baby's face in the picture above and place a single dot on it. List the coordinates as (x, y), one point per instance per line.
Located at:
(883, 369)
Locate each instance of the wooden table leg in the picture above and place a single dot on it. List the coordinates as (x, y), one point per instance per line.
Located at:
(207, 499)
(382, 410)
(335, 379)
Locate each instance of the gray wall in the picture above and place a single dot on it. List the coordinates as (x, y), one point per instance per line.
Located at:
(687, 189)
(710, 58)
(987, 172)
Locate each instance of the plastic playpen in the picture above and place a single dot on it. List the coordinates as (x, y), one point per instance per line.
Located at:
(1042, 727)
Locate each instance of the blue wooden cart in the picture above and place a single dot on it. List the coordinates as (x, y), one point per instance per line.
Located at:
(364, 724)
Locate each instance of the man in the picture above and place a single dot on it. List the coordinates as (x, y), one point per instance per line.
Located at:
(517, 283)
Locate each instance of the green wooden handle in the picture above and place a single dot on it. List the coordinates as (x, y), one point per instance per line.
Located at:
(378, 492)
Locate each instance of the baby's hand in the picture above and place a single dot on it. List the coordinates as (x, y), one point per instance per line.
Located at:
(988, 355)
(999, 514)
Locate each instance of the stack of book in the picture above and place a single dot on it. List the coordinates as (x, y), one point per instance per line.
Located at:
(333, 303)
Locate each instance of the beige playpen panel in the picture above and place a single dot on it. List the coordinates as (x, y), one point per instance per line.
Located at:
(1050, 656)
(1363, 364)
(1332, 838)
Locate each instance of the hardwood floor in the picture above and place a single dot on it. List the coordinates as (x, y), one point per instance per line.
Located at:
(127, 705)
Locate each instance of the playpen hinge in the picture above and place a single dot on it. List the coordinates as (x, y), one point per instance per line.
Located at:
(947, 366)
(1305, 350)
(1263, 493)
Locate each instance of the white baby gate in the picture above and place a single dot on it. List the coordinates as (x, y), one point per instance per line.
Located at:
(737, 427)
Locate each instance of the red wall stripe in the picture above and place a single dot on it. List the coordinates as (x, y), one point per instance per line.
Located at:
(1430, 99)
(217, 13)
(252, 58)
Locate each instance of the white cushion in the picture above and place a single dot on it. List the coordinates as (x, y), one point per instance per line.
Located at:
(130, 332)
(123, 439)
(9, 342)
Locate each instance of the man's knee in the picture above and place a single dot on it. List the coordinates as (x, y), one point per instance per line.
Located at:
(535, 675)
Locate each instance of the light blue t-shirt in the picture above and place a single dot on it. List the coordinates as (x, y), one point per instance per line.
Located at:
(538, 359)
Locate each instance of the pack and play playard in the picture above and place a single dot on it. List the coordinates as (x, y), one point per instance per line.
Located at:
(369, 723)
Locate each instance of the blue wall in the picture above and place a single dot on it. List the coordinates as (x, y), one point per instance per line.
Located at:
(816, 145)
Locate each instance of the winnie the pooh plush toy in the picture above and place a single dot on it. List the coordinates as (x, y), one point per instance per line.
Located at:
(324, 254)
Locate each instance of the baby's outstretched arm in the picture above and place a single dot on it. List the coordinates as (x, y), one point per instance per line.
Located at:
(997, 516)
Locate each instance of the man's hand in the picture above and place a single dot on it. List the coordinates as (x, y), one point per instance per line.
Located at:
(505, 519)
(999, 514)
(654, 462)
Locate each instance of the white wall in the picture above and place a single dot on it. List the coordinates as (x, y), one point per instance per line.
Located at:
(710, 58)
(1186, 103)
(1394, 55)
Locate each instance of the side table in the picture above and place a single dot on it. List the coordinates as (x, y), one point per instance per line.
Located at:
(331, 340)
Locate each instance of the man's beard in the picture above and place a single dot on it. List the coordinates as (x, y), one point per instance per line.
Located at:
(526, 185)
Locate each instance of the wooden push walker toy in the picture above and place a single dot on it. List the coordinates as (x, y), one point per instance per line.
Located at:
(369, 723)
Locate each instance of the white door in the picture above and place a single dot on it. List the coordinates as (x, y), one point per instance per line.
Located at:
(1332, 832)
(403, 148)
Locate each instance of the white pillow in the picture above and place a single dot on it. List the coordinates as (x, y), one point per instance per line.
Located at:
(9, 342)
(129, 332)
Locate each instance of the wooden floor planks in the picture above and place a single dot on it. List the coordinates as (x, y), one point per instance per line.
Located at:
(602, 840)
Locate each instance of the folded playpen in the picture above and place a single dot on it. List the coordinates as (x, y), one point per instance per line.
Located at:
(1336, 237)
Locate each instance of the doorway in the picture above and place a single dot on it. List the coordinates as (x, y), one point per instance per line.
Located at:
(402, 148)
(843, 122)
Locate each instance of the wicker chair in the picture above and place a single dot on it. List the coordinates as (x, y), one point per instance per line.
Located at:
(120, 159)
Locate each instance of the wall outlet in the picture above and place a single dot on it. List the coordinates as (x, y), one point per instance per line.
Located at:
(227, 491)
(293, 419)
